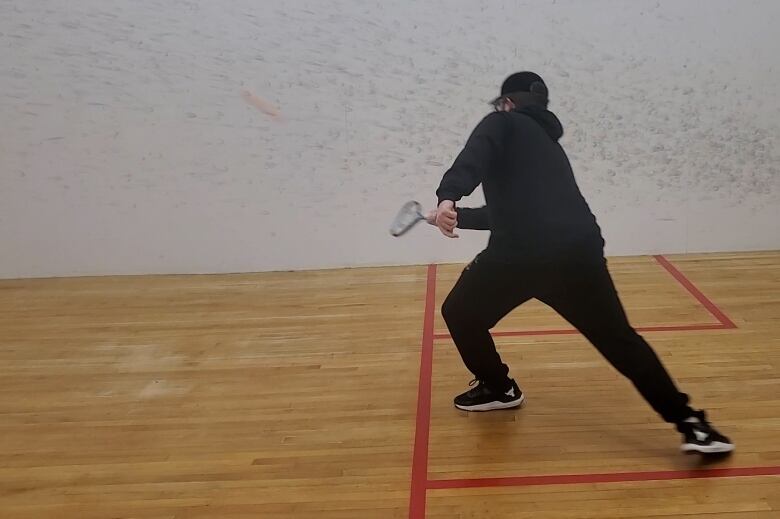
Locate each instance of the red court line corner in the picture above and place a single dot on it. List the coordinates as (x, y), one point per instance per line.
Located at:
(695, 292)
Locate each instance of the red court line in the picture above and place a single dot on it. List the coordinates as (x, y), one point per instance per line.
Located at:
(724, 323)
(665, 328)
(517, 333)
(617, 477)
(423, 423)
(695, 292)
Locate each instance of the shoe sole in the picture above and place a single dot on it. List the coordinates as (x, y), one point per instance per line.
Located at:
(713, 448)
(492, 406)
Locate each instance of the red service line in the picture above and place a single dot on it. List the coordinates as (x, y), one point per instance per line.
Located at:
(616, 477)
(571, 331)
(724, 323)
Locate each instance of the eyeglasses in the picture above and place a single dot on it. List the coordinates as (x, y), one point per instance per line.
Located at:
(499, 103)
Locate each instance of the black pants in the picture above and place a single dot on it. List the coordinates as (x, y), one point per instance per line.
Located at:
(580, 289)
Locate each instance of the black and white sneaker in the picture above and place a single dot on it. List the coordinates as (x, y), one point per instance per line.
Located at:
(481, 398)
(701, 437)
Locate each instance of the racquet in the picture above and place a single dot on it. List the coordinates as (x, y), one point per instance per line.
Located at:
(408, 216)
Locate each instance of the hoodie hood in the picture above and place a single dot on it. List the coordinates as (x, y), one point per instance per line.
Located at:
(545, 118)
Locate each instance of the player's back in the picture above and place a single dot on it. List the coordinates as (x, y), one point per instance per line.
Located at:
(536, 208)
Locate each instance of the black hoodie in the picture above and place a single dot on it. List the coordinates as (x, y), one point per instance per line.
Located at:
(534, 209)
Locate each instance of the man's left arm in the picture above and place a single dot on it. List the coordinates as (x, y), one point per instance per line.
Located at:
(476, 218)
(475, 161)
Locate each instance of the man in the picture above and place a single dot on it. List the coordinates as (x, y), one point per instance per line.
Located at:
(544, 244)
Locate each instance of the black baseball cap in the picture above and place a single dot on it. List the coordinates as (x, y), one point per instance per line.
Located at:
(525, 81)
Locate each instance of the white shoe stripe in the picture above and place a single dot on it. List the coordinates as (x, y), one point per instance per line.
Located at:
(711, 448)
(496, 404)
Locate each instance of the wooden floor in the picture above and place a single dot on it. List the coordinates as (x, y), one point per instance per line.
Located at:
(295, 395)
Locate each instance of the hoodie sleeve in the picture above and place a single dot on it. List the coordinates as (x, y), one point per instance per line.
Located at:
(476, 159)
(473, 218)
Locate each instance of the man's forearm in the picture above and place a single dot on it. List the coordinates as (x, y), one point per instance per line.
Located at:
(473, 218)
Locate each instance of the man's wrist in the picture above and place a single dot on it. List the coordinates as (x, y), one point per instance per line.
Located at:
(447, 197)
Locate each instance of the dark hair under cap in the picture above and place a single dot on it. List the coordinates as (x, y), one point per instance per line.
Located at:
(524, 83)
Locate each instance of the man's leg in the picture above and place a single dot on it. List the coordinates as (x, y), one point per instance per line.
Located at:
(584, 294)
(484, 294)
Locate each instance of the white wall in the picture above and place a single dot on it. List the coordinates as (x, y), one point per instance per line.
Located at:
(125, 146)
